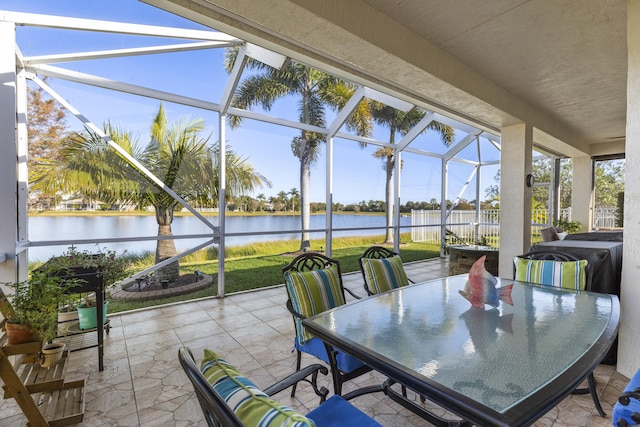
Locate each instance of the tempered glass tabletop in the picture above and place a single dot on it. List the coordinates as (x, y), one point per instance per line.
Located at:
(494, 356)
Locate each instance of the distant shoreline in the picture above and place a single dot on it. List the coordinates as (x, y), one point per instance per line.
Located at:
(186, 213)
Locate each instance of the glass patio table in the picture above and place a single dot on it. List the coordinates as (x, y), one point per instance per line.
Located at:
(504, 366)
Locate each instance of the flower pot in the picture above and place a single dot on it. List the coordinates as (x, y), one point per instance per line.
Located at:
(88, 317)
(18, 333)
(65, 320)
(51, 353)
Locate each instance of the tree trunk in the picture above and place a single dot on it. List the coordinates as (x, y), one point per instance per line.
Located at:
(166, 248)
(388, 195)
(305, 206)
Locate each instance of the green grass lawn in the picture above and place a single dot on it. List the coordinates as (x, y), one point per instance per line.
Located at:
(260, 265)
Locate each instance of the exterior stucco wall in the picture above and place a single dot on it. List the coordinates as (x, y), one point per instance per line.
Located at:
(629, 336)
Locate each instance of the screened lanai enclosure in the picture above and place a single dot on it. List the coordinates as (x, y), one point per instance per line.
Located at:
(115, 75)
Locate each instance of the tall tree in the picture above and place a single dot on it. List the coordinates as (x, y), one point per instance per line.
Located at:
(47, 125)
(46, 129)
(399, 122)
(295, 198)
(540, 195)
(609, 182)
(176, 154)
(261, 201)
(316, 90)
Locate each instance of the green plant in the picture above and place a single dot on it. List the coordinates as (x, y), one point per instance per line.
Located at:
(567, 226)
(69, 305)
(88, 301)
(111, 267)
(620, 211)
(34, 302)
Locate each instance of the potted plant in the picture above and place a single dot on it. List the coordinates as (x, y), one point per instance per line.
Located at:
(51, 353)
(90, 272)
(567, 226)
(33, 315)
(88, 313)
(67, 314)
(74, 263)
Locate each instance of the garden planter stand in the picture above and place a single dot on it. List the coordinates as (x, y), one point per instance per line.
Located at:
(92, 283)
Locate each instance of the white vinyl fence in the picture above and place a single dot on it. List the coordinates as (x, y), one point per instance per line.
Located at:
(463, 228)
(604, 217)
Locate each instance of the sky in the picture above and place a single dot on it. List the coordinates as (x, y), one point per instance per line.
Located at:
(358, 175)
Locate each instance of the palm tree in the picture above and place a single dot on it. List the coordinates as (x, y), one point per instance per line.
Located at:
(295, 198)
(399, 122)
(316, 90)
(176, 154)
(283, 200)
(261, 201)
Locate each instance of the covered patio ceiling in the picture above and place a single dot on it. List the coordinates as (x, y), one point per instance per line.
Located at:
(560, 65)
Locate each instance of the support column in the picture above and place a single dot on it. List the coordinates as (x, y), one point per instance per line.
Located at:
(515, 196)
(582, 192)
(329, 199)
(8, 160)
(222, 197)
(629, 335)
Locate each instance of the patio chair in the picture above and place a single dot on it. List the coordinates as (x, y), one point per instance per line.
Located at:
(228, 399)
(314, 284)
(559, 269)
(382, 270)
(626, 411)
(549, 234)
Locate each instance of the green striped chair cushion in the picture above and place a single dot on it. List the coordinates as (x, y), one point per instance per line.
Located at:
(561, 274)
(384, 274)
(312, 292)
(251, 405)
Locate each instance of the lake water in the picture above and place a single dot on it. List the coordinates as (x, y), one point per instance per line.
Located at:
(45, 228)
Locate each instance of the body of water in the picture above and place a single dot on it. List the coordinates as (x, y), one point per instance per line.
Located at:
(45, 228)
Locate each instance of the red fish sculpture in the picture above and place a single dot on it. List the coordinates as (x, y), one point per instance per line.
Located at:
(480, 288)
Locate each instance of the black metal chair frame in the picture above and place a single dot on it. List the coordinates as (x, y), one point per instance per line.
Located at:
(379, 252)
(216, 411)
(310, 261)
(375, 252)
(555, 255)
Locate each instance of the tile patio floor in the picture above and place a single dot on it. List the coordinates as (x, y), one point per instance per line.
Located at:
(143, 384)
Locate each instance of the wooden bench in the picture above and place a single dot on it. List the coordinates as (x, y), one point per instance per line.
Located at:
(44, 396)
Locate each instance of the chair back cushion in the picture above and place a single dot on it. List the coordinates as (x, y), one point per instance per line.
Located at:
(384, 274)
(251, 405)
(561, 274)
(312, 292)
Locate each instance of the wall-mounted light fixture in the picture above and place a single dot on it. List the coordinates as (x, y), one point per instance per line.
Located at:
(530, 180)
